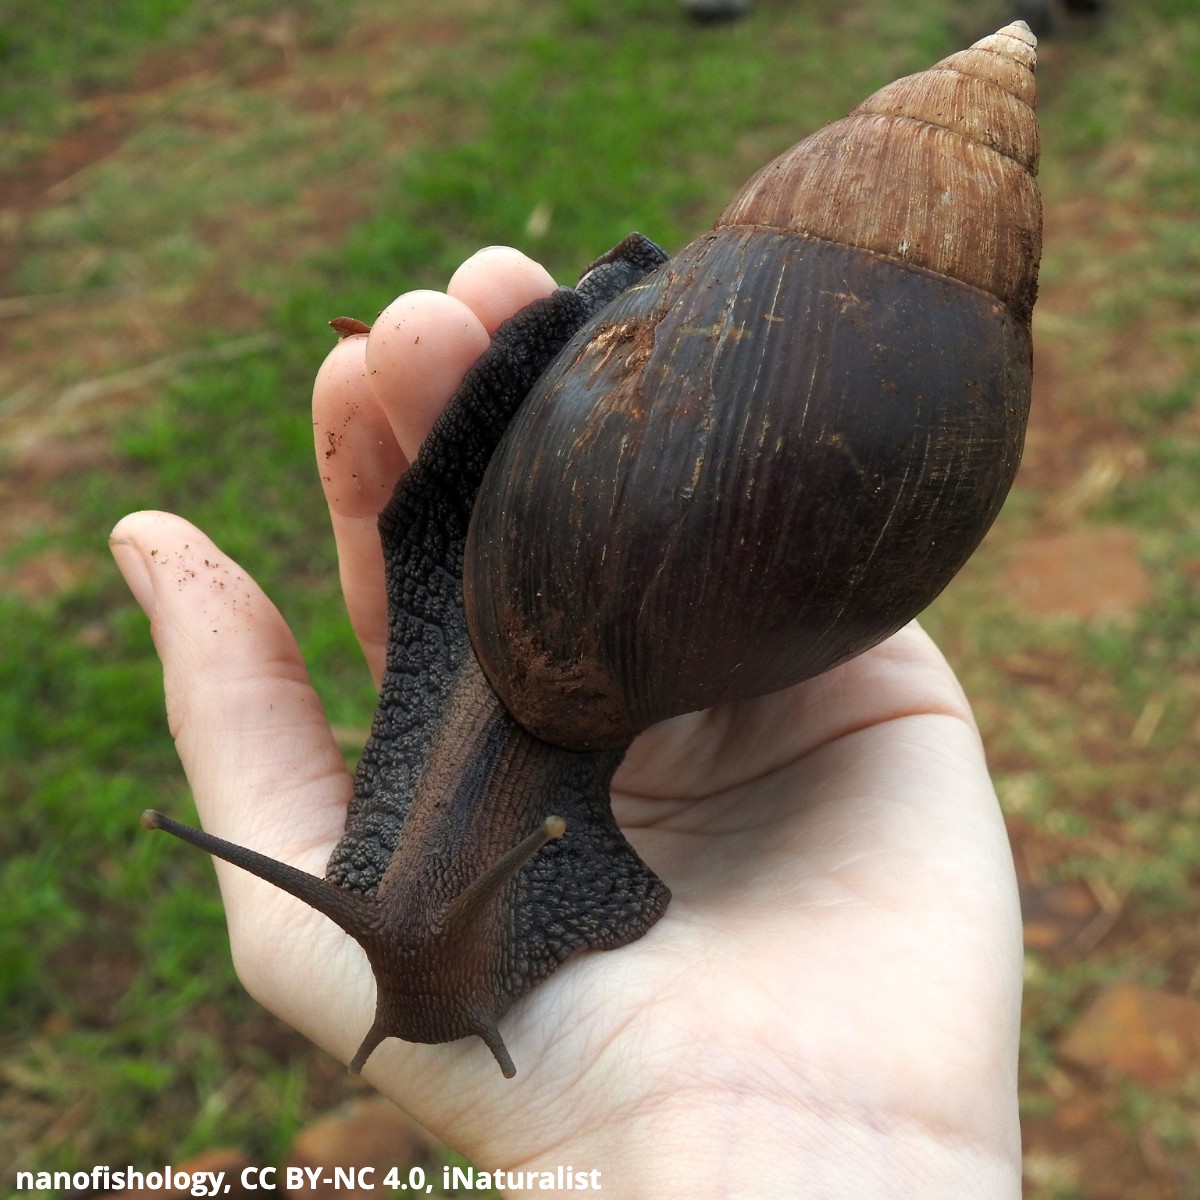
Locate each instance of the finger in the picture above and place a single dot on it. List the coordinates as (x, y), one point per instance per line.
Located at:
(359, 461)
(418, 351)
(250, 731)
(496, 282)
(424, 342)
(376, 397)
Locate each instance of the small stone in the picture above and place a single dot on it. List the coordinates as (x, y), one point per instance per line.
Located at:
(710, 12)
(1147, 1035)
(1056, 914)
(368, 1132)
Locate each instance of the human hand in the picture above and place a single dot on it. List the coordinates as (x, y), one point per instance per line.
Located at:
(830, 1004)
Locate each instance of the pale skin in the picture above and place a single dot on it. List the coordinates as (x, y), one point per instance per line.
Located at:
(830, 1006)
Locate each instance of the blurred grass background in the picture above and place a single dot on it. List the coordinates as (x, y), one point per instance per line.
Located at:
(189, 190)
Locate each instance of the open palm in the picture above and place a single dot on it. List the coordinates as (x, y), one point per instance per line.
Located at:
(832, 998)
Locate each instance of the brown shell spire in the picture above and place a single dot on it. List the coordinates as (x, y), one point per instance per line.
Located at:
(936, 170)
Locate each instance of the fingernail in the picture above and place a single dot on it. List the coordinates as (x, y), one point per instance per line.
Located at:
(132, 565)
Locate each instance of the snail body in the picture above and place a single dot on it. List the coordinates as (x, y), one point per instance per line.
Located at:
(680, 484)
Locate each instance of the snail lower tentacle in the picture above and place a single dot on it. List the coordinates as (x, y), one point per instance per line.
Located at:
(680, 484)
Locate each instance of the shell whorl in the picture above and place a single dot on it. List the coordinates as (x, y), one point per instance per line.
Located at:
(935, 170)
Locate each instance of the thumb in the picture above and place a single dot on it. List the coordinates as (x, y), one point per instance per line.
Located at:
(262, 762)
(249, 729)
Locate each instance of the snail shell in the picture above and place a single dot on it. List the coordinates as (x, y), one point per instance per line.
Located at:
(779, 447)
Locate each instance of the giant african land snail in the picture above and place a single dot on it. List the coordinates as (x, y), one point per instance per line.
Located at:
(810, 417)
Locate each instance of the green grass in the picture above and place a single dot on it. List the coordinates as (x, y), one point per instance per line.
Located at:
(117, 1001)
(57, 55)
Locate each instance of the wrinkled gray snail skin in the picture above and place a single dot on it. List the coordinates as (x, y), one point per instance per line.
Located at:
(681, 483)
